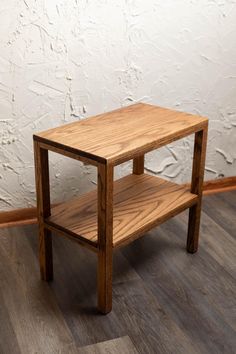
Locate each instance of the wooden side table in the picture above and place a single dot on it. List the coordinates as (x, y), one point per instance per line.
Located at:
(117, 212)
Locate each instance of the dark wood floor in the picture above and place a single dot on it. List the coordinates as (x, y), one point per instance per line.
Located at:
(164, 300)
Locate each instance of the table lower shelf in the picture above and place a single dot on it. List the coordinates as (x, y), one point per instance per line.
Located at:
(140, 203)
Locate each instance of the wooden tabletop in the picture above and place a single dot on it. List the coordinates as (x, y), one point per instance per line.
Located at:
(122, 134)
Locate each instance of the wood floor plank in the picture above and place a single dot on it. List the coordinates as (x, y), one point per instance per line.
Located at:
(77, 294)
(6, 329)
(34, 314)
(146, 321)
(164, 299)
(229, 199)
(122, 345)
(216, 241)
(212, 283)
(75, 289)
(222, 212)
(195, 291)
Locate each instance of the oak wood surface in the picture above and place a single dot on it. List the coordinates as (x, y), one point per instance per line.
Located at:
(140, 202)
(72, 153)
(122, 134)
(28, 216)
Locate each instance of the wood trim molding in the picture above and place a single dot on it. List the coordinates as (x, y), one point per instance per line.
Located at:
(28, 216)
(225, 184)
(218, 185)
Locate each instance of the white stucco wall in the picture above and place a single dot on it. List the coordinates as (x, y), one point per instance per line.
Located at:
(65, 60)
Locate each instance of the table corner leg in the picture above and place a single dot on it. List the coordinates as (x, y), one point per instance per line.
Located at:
(138, 165)
(199, 157)
(105, 236)
(43, 211)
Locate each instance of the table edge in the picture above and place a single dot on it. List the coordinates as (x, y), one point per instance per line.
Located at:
(125, 156)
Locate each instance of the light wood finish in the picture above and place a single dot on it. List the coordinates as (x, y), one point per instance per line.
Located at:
(72, 154)
(196, 188)
(104, 237)
(122, 134)
(140, 203)
(61, 231)
(28, 216)
(43, 207)
(164, 299)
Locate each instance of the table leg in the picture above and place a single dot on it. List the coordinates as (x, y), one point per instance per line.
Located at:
(105, 231)
(138, 165)
(43, 208)
(196, 188)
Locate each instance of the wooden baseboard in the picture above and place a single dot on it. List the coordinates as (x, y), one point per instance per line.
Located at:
(18, 217)
(27, 216)
(220, 185)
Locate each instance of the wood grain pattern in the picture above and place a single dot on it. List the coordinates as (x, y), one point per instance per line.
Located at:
(225, 213)
(199, 157)
(145, 320)
(6, 329)
(72, 153)
(140, 202)
(104, 237)
(76, 292)
(195, 291)
(28, 216)
(80, 240)
(122, 134)
(165, 300)
(44, 210)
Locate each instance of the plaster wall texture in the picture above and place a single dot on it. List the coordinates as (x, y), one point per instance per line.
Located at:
(62, 61)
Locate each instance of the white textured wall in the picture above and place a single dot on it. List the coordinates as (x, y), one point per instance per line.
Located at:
(64, 60)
